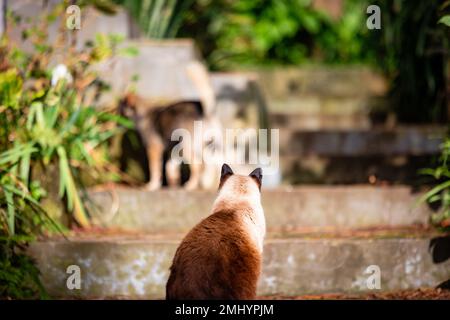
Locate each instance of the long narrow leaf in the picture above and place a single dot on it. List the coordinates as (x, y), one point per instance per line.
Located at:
(434, 191)
(51, 115)
(11, 211)
(18, 151)
(63, 177)
(25, 168)
(40, 119)
(20, 193)
(73, 200)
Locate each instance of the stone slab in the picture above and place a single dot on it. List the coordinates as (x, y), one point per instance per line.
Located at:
(139, 268)
(404, 140)
(286, 209)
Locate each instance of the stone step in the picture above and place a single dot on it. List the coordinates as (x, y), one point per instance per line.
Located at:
(405, 140)
(286, 209)
(138, 267)
(160, 67)
(310, 122)
(378, 154)
(375, 170)
(319, 81)
(323, 91)
(318, 105)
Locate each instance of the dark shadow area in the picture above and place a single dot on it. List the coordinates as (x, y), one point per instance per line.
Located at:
(371, 169)
(132, 156)
(440, 251)
(134, 162)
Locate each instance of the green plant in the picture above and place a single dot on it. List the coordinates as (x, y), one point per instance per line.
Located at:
(440, 194)
(412, 49)
(52, 125)
(50, 133)
(19, 277)
(157, 19)
(54, 129)
(236, 33)
(445, 20)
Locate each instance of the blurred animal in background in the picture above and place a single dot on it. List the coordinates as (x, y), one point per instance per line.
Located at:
(156, 123)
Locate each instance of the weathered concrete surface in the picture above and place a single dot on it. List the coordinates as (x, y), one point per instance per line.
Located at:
(319, 266)
(342, 170)
(160, 67)
(411, 140)
(92, 23)
(318, 94)
(285, 209)
(280, 83)
(305, 121)
(328, 156)
(310, 104)
(139, 268)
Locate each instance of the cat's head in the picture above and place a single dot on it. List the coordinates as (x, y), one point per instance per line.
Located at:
(240, 184)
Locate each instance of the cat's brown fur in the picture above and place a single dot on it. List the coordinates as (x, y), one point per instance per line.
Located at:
(221, 257)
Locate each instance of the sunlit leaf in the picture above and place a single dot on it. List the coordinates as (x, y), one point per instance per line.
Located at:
(445, 20)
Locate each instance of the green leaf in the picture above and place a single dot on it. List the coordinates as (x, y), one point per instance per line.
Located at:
(13, 155)
(21, 193)
(11, 211)
(67, 186)
(445, 20)
(127, 123)
(51, 115)
(107, 7)
(434, 191)
(129, 51)
(25, 168)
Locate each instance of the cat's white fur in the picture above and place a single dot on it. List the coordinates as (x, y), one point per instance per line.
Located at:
(238, 189)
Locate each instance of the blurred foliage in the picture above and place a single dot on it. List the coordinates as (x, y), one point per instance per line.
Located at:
(51, 124)
(440, 194)
(247, 32)
(411, 47)
(50, 132)
(19, 276)
(445, 20)
(413, 50)
(157, 19)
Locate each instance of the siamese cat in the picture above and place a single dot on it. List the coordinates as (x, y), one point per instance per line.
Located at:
(220, 258)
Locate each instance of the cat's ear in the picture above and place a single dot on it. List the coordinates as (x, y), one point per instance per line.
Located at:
(225, 173)
(257, 176)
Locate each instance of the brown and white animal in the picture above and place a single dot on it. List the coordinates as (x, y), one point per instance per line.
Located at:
(156, 123)
(220, 258)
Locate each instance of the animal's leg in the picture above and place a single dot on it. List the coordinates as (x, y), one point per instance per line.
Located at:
(195, 177)
(155, 156)
(173, 173)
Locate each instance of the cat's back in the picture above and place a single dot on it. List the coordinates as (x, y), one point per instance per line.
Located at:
(220, 258)
(216, 260)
